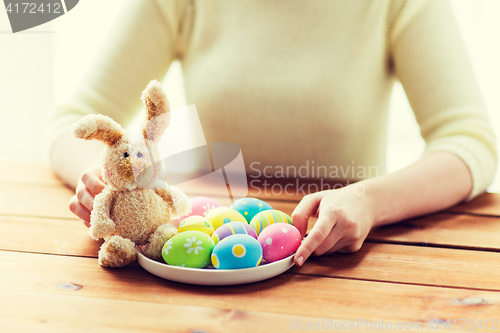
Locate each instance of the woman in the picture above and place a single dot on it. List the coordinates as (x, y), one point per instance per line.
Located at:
(296, 82)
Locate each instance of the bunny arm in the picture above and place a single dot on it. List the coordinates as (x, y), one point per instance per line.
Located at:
(177, 200)
(101, 225)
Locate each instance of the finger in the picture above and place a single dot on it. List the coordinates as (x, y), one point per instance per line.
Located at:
(317, 236)
(306, 208)
(93, 182)
(85, 197)
(337, 247)
(332, 242)
(351, 247)
(79, 210)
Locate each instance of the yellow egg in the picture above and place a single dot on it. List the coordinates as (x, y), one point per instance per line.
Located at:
(198, 223)
(221, 215)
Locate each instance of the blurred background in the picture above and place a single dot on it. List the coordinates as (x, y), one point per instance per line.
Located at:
(65, 47)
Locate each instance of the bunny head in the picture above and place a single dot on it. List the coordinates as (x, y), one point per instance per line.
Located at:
(130, 159)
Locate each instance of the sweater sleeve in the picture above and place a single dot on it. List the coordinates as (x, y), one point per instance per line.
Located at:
(431, 62)
(140, 47)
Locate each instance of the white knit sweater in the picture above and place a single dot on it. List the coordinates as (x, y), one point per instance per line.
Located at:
(297, 83)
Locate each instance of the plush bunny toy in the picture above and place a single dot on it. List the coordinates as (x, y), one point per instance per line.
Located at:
(136, 204)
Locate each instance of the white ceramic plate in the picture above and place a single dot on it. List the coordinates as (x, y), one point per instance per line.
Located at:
(214, 277)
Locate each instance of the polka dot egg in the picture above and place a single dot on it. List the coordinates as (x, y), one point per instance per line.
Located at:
(268, 217)
(196, 223)
(278, 241)
(249, 207)
(237, 251)
(191, 248)
(221, 215)
(232, 228)
(200, 206)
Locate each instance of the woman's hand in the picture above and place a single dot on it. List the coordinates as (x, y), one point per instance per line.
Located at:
(89, 185)
(344, 220)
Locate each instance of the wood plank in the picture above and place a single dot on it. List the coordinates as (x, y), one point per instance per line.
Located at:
(285, 294)
(406, 264)
(282, 189)
(486, 204)
(452, 230)
(27, 173)
(55, 236)
(53, 202)
(411, 264)
(50, 202)
(28, 312)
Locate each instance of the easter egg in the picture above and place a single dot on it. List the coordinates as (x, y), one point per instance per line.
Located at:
(221, 215)
(200, 206)
(237, 251)
(268, 217)
(232, 228)
(249, 207)
(191, 248)
(278, 241)
(195, 222)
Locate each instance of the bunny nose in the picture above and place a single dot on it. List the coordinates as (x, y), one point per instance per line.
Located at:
(125, 169)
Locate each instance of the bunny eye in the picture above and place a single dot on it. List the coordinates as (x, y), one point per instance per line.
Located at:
(125, 155)
(139, 154)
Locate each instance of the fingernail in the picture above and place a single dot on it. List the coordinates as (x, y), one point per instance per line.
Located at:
(300, 260)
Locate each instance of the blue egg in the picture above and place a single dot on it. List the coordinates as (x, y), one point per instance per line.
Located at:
(249, 207)
(237, 251)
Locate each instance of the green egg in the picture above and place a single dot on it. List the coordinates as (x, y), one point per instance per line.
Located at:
(188, 249)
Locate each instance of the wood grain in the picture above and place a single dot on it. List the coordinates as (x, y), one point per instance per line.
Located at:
(27, 173)
(53, 236)
(28, 312)
(486, 204)
(451, 230)
(286, 294)
(35, 201)
(411, 264)
(377, 262)
(283, 189)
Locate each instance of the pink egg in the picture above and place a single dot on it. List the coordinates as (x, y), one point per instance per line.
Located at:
(200, 206)
(278, 241)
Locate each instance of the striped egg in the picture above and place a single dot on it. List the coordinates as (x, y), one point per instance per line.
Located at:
(249, 207)
(237, 251)
(268, 217)
(233, 228)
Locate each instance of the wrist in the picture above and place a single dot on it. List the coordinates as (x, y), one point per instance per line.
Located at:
(375, 204)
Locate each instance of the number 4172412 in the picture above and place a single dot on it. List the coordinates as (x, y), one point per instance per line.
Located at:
(471, 324)
(31, 8)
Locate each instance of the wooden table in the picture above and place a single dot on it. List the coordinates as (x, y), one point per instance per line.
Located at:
(436, 269)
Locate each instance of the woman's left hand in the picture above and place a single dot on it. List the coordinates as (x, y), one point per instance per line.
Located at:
(344, 220)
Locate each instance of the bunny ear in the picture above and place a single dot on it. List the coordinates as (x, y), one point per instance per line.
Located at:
(98, 127)
(157, 111)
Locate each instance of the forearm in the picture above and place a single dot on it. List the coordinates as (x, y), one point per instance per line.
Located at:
(71, 156)
(437, 181)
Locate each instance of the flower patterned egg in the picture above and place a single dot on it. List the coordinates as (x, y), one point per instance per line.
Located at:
(278, 241)
(268, 217)
(221, 215)
(237, 251)
(200, 206)
(190, 248)
(232, 228)
(199, 223)
(249, 207)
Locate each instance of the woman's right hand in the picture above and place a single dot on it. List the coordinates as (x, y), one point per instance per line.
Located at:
(89, 185)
